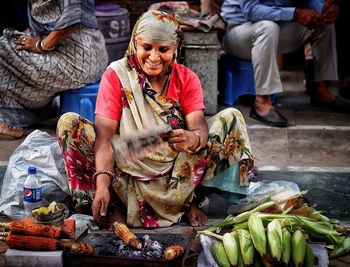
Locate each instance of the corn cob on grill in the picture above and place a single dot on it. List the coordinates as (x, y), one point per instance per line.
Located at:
(172, 252)
(124, 233)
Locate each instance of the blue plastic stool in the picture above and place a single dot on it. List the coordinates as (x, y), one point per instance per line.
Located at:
(236, 79)
(81, 101)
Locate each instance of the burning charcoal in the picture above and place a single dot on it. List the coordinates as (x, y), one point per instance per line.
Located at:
(123, 250)
(151, 249)
(108, 249)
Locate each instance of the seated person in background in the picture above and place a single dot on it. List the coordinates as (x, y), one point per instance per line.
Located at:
(145, 89)
(62, 50)
(259, 30)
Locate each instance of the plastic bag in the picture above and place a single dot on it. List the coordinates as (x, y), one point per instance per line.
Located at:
(256, 192)
(278, 190)
(41, 150)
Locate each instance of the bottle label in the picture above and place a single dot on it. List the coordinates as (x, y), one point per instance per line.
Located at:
(33, 195)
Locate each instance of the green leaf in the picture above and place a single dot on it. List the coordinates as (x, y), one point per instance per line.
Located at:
(224, 125)
(233, 122)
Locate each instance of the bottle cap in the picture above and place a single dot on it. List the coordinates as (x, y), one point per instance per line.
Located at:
(31, 170)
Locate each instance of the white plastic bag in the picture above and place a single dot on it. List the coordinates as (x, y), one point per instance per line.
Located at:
(40, 150)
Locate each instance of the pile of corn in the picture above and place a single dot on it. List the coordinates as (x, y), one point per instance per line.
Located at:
(259, 238)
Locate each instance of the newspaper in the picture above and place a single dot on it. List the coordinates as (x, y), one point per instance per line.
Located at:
(139, 144)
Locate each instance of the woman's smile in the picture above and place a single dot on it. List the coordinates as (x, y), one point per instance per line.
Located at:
(154, 58)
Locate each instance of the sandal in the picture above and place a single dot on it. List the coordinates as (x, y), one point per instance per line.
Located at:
(8, 132)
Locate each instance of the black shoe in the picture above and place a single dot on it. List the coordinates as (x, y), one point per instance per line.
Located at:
(340, 104)
(273, 118)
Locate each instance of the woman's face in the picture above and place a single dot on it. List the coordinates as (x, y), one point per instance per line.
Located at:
(154, 58)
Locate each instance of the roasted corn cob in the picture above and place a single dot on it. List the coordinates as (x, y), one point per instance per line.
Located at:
(26, 242)
(172, 252)
(231, 248)
(298, 248)
(274, 238)
(32, 228)
(77, 248)
(124, 233)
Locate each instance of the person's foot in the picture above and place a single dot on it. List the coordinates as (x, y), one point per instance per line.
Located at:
(323, 97)
(263, 111)
(7, 132)
(322, 94)
(196, 217)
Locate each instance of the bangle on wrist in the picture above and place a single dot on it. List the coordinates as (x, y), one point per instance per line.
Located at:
(199, 145)
(44, 48)
(38, 47)
(110, 173)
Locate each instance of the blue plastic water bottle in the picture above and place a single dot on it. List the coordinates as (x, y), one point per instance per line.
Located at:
(32, 191)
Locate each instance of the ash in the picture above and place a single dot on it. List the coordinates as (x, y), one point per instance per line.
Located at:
(151, 249)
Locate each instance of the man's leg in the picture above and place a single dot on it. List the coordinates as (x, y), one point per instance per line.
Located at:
(259, 43)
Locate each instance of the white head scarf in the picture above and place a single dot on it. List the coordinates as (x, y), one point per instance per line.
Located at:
(155, 26)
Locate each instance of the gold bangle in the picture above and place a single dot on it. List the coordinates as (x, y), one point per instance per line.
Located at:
(199, 146)
(37, 45)
(97, 173)
(44, 48)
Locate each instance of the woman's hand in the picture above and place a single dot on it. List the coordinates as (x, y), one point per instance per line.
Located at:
(182, 140)
(28, 42)
(101, 199)
(196, 135)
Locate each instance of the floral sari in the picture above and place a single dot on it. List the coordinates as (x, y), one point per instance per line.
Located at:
(157, 188)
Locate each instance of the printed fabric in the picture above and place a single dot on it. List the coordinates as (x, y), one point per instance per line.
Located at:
(154, 189)
(29, 81)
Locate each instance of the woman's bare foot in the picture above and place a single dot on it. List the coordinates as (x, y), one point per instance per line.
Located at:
(7, 132)
(195, 216)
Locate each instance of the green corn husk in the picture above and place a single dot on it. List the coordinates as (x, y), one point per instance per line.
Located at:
(231, 248)
(243, 225)
(208, 233)
(257, 232)
(240, 260)
(244, 216)
(274, 238)
(219, 254)
(246, 246)
(309, 256)
(298, 248)
(286, 246)
(341, 249)
(323, 228)
(228, 221)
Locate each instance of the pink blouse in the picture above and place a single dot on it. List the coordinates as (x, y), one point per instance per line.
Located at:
(184, 87)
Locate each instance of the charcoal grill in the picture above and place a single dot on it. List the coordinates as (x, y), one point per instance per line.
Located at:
(98, 239)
